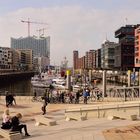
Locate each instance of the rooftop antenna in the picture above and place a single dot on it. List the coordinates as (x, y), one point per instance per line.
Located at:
(126, 20)
(106, 36)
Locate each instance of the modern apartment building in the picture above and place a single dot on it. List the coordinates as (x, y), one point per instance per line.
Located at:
(40, 63)
(81, 62)
(5, 58)
(124, 51)
(98, 59)
(75, 59)
(40, 46)
(85, 62)
(137, 47)
(15, 59)
(90, 59)
(107, 54)
(26, 59)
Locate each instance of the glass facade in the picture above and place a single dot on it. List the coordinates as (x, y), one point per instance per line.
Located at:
(107, 54)
(40, 46)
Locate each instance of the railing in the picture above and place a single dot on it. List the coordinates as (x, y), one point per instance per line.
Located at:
(125, 93)
(100, 111)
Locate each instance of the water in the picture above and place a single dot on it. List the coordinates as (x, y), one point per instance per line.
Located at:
(17, 87)
(23, 87)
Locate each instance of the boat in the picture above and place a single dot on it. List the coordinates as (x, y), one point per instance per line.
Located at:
(59, 80)
(42, 80)
(45, 80)
(59, 86)
(41, 85)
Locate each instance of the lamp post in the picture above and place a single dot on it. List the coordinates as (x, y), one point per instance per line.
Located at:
(104, 83)
(139, 83)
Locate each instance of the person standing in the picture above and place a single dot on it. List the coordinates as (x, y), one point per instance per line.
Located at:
(85, 95)
(7, 98)
(77, 97)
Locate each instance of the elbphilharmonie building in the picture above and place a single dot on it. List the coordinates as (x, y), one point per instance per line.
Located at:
(40, 46)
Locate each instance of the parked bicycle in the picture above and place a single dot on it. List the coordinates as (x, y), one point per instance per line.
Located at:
(37, 99)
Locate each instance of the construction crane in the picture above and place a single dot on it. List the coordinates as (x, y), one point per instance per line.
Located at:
(41, 30)
(29, 22)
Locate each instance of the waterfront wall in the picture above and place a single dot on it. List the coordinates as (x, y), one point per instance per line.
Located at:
(15, 75)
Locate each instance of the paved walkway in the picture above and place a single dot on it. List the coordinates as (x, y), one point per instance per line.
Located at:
(91, 129)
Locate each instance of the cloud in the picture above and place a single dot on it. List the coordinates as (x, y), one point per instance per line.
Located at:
(70, 27)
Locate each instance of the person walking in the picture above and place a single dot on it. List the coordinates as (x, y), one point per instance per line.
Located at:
(9, 98)
(77, 97)
(45, 103)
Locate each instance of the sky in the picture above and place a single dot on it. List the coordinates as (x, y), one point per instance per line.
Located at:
(81, 25)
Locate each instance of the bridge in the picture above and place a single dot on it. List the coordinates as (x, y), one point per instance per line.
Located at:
(15, 75)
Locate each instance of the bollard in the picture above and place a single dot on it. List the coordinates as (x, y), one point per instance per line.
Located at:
(80, 111)
(98, 113)
(139, 109)
(117, 107)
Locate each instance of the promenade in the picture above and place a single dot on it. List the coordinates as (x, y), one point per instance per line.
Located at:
(90, 129)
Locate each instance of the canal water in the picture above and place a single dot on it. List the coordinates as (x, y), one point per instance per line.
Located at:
(23, 87)
(17, 87)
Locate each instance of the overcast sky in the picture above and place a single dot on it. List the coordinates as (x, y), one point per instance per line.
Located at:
(72, 24)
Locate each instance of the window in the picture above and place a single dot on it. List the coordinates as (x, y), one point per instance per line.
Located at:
(136, 54)
(136, 60)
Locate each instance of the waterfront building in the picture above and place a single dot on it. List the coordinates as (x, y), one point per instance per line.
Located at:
(40, 46)
(5, 58)
(26, 59)
(78, 62)
(124, 51)
(81, 62)
(40, 63)
(90, 59)
(75, 59)
(98, 59)
(64, 63)
(15, 59)
(107, 54)
(137, 47)
(85, 62)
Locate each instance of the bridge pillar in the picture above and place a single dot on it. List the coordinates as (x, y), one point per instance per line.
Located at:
(139, 83)
(90, 76)
(104, 83)
(129, 78)
(68, 81)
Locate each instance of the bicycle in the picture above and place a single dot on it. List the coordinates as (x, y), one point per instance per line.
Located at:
(36, 99)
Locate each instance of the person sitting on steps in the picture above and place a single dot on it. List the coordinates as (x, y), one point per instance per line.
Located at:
(16, 126)
(6, 120)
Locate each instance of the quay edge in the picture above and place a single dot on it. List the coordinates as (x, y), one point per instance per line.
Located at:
(16, 75)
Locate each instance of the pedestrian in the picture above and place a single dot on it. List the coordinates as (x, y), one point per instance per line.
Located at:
(62, 97)
(77, 97)
(16, 126)
(7, 98)
(85, 95)
(10, 99)
(35, 94)
(45, 103)
(6, 120)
